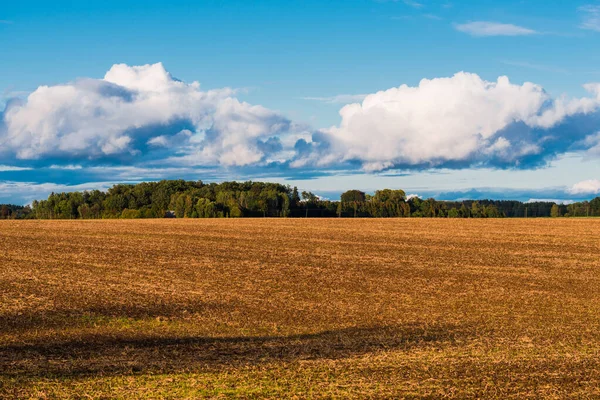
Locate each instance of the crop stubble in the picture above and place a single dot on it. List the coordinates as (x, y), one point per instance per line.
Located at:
(300, 308)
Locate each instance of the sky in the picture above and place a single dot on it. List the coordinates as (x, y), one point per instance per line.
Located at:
(469, 99)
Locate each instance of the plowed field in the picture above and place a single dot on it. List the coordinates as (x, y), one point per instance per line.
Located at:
(282, 308)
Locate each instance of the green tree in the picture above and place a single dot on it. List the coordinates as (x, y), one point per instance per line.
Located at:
(453, 213)
(206, 208)
(295, 197)
(285, 205)
(4, 212)
(389, 195)
(475, 210)
(309, 199)
(353, 196)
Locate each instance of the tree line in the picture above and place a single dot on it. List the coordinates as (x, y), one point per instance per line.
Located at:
(195, 199)
(11, 211)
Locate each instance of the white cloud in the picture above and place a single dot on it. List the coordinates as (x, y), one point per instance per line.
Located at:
(142, 116)
(486, 28)
(69, 167)
(135, 106)
(592, 144)
(339, 99)
(10, 168)
(159, 141)
(412, 3)
(26, 192)
(557, 201)
(445, 120)
(138, 174)
(591, 186)
(239, 129)
(591, 17)
(170, 141)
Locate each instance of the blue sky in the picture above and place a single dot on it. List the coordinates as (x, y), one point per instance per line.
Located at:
(291, 69)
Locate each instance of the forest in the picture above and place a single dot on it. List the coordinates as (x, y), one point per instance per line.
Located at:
(195, 199)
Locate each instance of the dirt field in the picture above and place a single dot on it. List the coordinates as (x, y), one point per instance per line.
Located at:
(300, 308)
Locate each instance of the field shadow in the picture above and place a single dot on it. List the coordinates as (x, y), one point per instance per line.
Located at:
(82, 315)
(105, 355)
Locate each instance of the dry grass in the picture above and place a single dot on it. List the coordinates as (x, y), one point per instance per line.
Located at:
(300, 308)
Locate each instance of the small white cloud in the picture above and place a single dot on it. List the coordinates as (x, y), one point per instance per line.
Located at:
(590, 187)
(136, 174)
(412, 3)
(116, 145)
(169, 141)
(27, 192)
(69, 167)
(159, 141)
(486, 28)
(591, 17)
(375, 166)
(592, 144)
(557, 201)
(500, 146)
(10, 168)
(339, 99)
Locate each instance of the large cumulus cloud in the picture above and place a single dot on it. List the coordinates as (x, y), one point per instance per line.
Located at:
(460, 121)
(589, 187)
(142, 115)
(133, 112)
